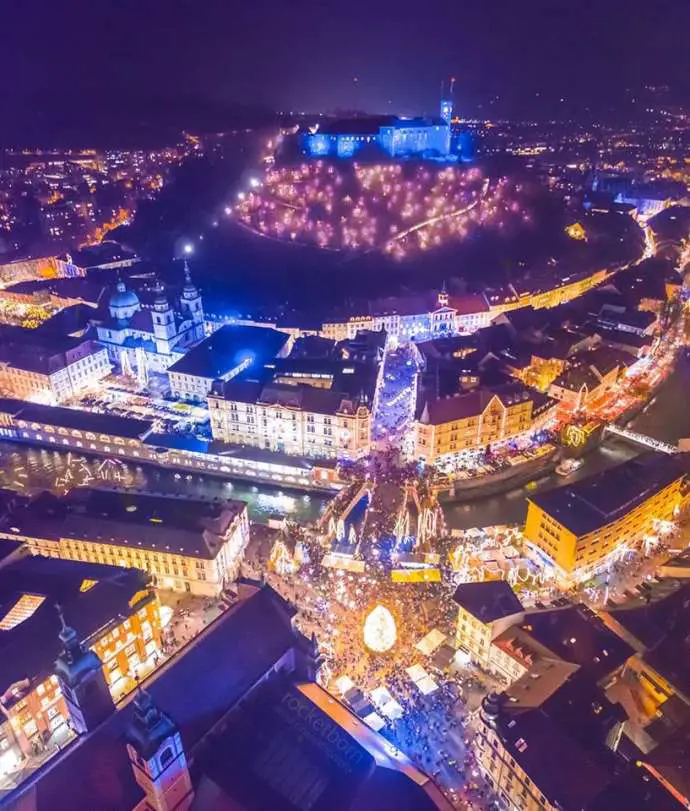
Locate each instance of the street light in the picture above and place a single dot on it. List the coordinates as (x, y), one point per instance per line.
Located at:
(188, 248)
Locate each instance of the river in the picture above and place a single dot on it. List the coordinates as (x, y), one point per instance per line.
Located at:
(666, 418)
(31, 469)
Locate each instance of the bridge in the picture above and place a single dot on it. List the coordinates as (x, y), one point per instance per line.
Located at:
(640, 439)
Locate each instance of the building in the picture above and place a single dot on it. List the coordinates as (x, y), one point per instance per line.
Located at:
(393, 135)
(260, 733)
(550, 739)
(152, 339)
(580, 528)
(485, 610)
(49, 267)
(223, 355)
(71, 428)
(581, 386)
(185, 545)
(471, 420)
(301, 407)
(49, 368)
(555, 751)
(116, 614)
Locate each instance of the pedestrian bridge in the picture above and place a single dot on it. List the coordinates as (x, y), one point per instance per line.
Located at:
(640, 439)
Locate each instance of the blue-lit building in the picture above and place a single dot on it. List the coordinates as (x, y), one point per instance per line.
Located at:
(397, 137)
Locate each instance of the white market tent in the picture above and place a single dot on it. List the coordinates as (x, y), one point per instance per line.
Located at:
(433, 640)
(375, 721)
(427, 686)
(422, 680)
(343, 684)
(386, 704)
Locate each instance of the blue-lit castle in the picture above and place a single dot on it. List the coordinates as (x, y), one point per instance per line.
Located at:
(396, 136)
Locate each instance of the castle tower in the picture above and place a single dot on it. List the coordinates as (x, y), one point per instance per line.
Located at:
(442, 298)
(157, 756)
(83, 684)
(164, 329)
(446, 108)
(190, 302)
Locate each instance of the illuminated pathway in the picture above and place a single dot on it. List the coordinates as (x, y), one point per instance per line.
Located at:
(448, 216)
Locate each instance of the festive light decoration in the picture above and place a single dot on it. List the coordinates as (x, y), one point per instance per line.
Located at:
(380, 633)
(398, 209)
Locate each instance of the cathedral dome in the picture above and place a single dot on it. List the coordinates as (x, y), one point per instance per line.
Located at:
(123, 303)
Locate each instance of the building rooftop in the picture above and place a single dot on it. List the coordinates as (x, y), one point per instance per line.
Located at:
(462, 405)
(575, 634)
(109, 424)
(592, 503)
(92, 596)
(229, 347)
(488, 601)
(566, 774)
(661, 628)
(173, 525)
(338, 386)
(575, 378)
(41, 351)
(623, 337)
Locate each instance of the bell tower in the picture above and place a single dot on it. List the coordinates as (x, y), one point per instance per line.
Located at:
(83, 684)
(163, 320)
(157, 757)
(190, 301)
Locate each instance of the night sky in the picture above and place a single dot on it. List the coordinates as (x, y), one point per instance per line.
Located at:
(375, 55)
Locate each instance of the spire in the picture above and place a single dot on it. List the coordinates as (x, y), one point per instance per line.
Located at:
(161, 299)
(68, 636)
(149, 726)
(189, 291)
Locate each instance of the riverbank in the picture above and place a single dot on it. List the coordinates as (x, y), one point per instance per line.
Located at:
(30, 469)
(666, 418)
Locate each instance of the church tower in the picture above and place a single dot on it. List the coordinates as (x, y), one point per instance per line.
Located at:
(191, 298)
(157, 756)
(83, 684)
(164, 329)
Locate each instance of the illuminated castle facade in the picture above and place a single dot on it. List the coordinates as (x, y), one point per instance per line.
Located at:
(396, 136)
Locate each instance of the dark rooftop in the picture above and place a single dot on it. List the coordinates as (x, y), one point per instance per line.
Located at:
(599, 500)
(228, 347)
(662, 629)
(29, 649)
(174, 525)
(110, 424)
(575, 634)
(488, 601)
(195, 689)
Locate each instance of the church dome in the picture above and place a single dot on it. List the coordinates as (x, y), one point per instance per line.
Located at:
(123, 303)
(122, 297)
